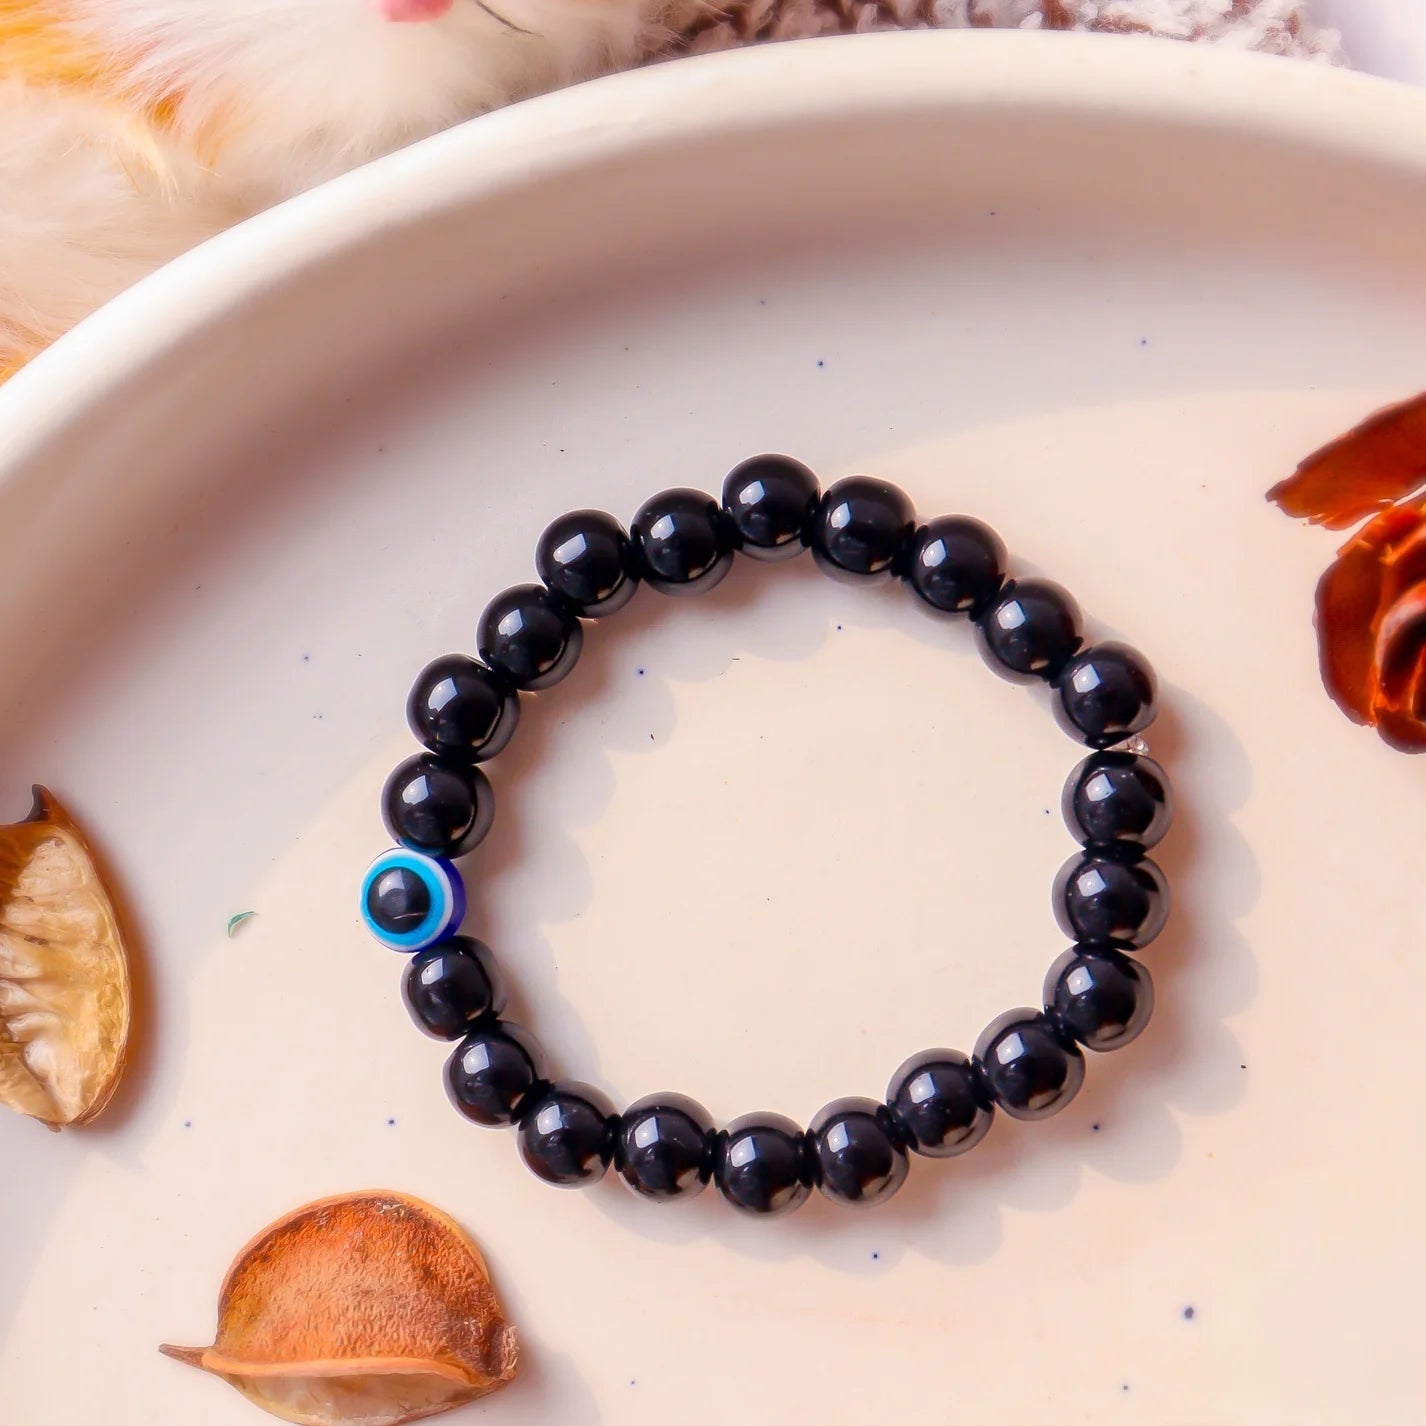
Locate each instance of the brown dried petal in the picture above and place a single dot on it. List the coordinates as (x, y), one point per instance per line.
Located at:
(366, 1310)
(1380, 461)
(65, 998)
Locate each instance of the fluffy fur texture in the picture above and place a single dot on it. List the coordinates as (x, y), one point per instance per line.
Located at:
(131, 129)
(1275, 26)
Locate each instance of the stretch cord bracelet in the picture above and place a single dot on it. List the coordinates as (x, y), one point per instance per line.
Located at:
(1110, 899)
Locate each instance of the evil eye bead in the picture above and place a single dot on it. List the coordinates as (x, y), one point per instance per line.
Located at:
(410, 901)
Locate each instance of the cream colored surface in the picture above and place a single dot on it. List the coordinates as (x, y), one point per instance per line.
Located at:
(1102, 295)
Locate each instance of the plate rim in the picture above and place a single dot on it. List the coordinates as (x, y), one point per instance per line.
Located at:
(115, 349)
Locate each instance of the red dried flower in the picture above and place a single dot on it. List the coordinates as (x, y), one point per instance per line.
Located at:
(1371, 604)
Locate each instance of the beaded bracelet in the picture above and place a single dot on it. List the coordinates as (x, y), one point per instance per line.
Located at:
(1111, 899)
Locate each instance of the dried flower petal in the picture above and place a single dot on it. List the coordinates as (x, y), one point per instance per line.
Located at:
(1371, 626)
(1401, 669)
(64, 976)
(1347, 598)
(365, 1310)
(1381, 461)
(1378, 462)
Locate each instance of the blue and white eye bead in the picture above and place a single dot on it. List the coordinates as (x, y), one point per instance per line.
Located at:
(410, 901)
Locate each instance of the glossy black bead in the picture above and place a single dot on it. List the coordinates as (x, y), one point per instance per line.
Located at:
(530, 636)
(858, 1155)
(1098, 996)
(567, 1134)
(1101, 898)
(1029, 630)
(451, 986)
(862, 527)
(398, 900)
(1030, 1072)
(684, 542)
(770, 501)
(1107, 693)
(462, 710)
(1119, 799)
(587, 558)
(493, 1071)
(956, 564)
(761, 1164)
(438, 807)
(663, 1148)
(939, 1104)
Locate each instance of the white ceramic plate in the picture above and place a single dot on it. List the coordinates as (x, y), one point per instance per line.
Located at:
(761, 846)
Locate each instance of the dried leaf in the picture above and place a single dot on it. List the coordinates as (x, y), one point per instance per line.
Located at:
(64, 976)
(366, 1310)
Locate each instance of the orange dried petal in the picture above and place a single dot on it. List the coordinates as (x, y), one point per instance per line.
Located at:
(1379, 462)
(1348, 596)
(366, 1310)
(1400, 537)
(1400, 702)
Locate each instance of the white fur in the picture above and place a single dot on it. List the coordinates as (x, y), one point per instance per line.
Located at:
(275, 95)
(81, 217)
(295, 91)
(309, 88)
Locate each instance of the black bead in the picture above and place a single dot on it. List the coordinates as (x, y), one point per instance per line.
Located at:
(567, 1134)
(956, 564)
(770, 501)
(530, 636)
(1099, 997)
(861, 527)
(492, 1072)
(663, 1147)
(1103, 898)
(684, 542)
(939, 1104)
(761, 1165)
(398, 900)
(1029, 630)
(462, 710)
(1030, 1072)
(438, 807)
(451, 986)
(858, 1155)
(1108, 693)
(1118, 798)
(587, 558)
